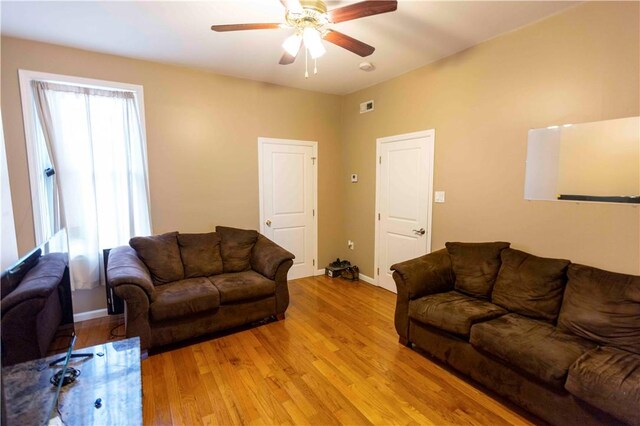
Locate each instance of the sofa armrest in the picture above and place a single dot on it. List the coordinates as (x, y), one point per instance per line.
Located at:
(125, 267)
(428, 274)
(267, 257)
(282, 286)
(38, 283)
(136, 312)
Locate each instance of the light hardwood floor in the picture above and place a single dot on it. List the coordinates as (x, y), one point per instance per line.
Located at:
(335, 359)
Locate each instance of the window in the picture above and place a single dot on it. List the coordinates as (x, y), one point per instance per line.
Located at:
(87, 165)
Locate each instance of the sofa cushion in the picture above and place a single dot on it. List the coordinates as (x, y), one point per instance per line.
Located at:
(184, 298)
(530, 285)
(161, 255)
(475, 266)
(452, 311)
(236, 248)
(200, 254)
(602, 306)
(241, 286)
(609, 379)
(533, 346)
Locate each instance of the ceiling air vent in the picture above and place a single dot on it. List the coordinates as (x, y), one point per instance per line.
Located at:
(366, 107)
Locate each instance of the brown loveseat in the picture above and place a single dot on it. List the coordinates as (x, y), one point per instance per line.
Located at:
(177, 286)
(561, 340)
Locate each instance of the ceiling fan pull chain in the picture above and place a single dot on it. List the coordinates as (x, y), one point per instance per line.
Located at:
(306, 63)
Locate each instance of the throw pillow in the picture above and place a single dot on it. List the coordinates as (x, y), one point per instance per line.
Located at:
(200, 254)
(475, 266)
(602, 306)
(161, 255)
(236, 248)
(530, 285)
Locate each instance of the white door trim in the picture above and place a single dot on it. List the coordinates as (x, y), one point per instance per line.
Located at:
(314, 145)
(430, 134)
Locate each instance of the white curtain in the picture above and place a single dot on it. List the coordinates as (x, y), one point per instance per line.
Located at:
(95, 144)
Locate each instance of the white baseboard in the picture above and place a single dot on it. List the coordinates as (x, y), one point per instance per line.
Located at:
(84, 316)
(319, 272)
(367, 279)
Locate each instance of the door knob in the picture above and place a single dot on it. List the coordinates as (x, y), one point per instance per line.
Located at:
(267, 222)
(420, 231)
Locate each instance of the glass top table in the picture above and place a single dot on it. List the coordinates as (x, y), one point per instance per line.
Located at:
(112, 376)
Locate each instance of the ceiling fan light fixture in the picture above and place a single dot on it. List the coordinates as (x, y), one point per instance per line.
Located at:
(313, 42)
(292, 44)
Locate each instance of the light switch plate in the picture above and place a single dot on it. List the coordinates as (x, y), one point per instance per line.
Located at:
(354, 178)
(439, 197)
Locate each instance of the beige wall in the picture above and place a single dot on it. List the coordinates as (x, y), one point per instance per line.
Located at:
(202, 132)
(578, 66)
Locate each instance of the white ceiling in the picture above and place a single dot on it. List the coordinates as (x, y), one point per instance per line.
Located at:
(178, 32)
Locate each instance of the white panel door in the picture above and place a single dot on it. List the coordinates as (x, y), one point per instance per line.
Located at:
(403, 198)
(287, 199)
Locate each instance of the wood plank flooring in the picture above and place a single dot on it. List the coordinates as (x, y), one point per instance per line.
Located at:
(335, 359)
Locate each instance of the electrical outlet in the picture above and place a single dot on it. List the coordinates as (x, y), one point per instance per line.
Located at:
(351, 245)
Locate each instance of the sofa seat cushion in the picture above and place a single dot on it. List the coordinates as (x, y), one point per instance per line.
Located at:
(452, 311)
(475, 266)
(184, 298)
(602, 306)
(532, 346)
(609, 379)
(530, 285)
(240, 286)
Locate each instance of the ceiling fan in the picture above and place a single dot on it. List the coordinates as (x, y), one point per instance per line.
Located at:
(310, 18)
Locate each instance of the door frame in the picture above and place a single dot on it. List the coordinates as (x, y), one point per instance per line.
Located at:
(430, 135)
(314, 183)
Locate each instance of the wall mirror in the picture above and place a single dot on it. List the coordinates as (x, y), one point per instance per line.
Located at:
(597, 161)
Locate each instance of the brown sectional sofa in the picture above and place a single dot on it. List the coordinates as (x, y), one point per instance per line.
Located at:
(178, 286)
(561, 340)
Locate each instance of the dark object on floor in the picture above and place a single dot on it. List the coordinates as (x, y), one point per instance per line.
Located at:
(36, 301)
(179, 286)
(351, 273)
(561, 340)
(336, 268)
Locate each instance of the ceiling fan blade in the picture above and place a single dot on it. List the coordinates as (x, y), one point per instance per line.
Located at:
(242, 27)
(349, 43)
(361, 10)
(287, 59)
(292, 5)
